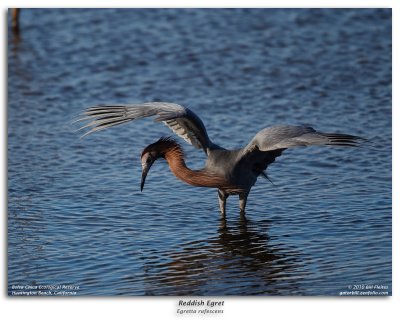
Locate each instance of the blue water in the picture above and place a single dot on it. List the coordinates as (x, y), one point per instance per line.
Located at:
(76, 215)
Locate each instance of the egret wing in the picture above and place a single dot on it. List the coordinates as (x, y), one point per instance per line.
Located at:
(270, 142)
(283, 137)
(181, 120)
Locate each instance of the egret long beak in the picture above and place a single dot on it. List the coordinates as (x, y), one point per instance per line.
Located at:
(145, 169)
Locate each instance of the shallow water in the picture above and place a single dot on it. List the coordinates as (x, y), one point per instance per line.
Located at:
(76, 214)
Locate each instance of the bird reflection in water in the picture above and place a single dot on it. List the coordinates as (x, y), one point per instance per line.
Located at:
(239, 261)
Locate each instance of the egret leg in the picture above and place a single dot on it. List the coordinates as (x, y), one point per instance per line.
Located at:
(222, 196)
(242, 202)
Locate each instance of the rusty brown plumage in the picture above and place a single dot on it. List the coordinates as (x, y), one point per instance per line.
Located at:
(172, 152)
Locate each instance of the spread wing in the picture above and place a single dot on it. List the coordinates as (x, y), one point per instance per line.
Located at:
(270, 142)
(181, 120)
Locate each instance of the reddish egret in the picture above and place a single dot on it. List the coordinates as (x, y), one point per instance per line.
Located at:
(230, 171)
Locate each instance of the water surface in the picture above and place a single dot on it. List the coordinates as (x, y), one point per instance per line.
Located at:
(75, 212)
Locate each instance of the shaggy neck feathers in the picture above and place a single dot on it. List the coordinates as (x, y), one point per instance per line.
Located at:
(174, 155)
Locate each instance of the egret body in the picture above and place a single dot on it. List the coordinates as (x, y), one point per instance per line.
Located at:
(229, 171)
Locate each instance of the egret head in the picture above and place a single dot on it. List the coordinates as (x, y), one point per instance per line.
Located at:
(148, 157)
(153, 152)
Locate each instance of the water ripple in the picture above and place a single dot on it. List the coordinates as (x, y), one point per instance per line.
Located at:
(75, 211)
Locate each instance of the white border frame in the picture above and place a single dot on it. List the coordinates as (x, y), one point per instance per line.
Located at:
(235, 307)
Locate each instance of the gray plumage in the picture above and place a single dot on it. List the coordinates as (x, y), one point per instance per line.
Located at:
(182, 121)
(240, 167)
